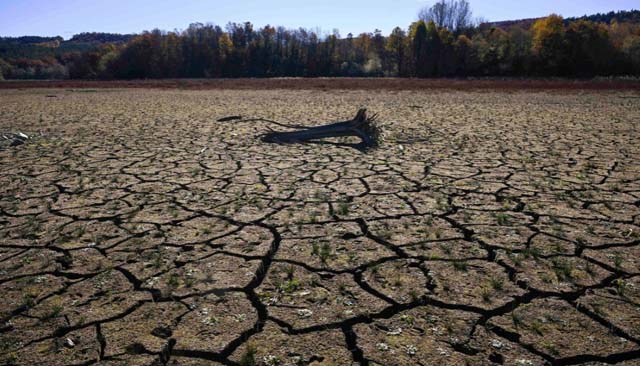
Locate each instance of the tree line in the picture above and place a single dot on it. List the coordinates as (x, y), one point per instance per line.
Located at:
(445, 42)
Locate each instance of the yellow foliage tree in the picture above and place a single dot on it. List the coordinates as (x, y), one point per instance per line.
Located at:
(549, 41)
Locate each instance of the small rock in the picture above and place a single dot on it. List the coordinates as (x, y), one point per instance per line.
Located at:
(394, 332)
(411, 349)
(271, 360)
(524, 362)
(69, 343)
(304, 313)
(496, 344)
(348, 313)
(382, 347)
(40, 279)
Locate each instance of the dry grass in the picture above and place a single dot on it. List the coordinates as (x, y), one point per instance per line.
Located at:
(373, 84)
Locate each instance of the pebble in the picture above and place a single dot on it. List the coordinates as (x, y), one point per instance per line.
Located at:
(304, 313)
(411, 349)
(395, 332)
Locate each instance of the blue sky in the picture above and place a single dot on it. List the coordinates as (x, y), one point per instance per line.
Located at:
(68, 17)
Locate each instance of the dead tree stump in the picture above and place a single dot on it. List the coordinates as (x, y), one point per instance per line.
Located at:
(360, 126)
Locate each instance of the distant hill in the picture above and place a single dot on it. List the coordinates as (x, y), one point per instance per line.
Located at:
(33, 47)
(94, 37)
(631, 16)
(29, 40)
(506, 24)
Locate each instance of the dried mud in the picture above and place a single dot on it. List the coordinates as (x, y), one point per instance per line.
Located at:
(491, 228)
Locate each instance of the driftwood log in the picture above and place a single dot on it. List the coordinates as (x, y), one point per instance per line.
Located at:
(8, 139)
(360, 126)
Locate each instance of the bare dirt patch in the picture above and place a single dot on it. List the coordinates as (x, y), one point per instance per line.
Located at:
(490, 228)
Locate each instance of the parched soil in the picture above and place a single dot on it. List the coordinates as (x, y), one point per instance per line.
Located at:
(326, 84)
(491, 228)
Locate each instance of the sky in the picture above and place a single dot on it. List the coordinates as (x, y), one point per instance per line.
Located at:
(68, 17)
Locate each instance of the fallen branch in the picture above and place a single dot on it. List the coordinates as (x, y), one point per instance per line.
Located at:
(230, 118)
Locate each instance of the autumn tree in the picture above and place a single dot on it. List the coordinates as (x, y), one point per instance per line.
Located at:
(548, 43)
(5, 69)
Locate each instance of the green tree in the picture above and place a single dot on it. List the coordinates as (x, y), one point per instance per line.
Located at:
(466, 60)
(433, 46)
(396, 48)
(446, 58)
(494, 50)
(520, 50)
(631, 49)
(419, 50)
(589, 48)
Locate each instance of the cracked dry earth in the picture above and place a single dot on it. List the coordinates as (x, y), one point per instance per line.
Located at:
(491, 229)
